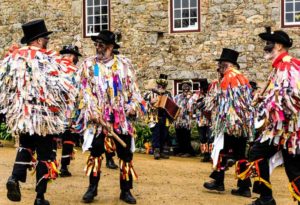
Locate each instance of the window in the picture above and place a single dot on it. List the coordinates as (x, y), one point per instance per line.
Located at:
(290, 13)
(96, 16)
(185, 15)
(197, 85)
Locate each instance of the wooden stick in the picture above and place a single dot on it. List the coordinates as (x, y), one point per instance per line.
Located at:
(261, 94)
(111, 132)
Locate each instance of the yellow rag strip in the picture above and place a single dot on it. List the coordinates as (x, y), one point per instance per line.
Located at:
(244, 174)
(293, 193)
(259, 179)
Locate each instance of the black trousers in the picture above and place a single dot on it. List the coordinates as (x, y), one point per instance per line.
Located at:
(265, 151)
(160, 133)
(234, 148)
(124, 154)
(68, 141)
(45, 150)
(183, 136)
(109, 156)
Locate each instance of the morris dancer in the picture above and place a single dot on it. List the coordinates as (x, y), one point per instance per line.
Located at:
(183, 124)
(109, 100)
(280, 139)
(203, 124)
(33, 100)
(70, 56)
(233, 122)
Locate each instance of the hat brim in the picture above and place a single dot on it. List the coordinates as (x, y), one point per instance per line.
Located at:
(273, 38)
(97, 39)
(69, 52)
(24, 40)
(266, 37)
(228, 60)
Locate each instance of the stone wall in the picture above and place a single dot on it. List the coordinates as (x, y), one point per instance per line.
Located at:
(144, 25)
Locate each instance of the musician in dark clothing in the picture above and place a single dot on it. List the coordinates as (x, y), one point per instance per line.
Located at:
(158, 119)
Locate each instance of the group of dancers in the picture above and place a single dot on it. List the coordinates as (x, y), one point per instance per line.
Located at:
(45, 97)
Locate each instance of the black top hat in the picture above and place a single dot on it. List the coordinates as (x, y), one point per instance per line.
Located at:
(106, 37)
(229, 55)
(34, 30)
(163, 79)
(70, 49)
(278, 36)
(253, 85)
(163, 76)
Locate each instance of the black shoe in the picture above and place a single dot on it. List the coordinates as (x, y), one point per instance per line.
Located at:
(110, 164)
(65, 173)
(89, 195)
(39, 201)
(214, 186)
(127, 197)
(186, 155)
(206, 157)
(259, 201)
(13, 189)
(156, 154)
(164, 156)
(241, 192)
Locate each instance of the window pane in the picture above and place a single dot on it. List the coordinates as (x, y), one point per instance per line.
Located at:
(177, 4)
(97, 28)
(194, 21)
(297, 17)
(90, 20)
(289, 7)
(185, 23)
(97, 10)
(104, 19)
(90, 2)
(196, 86)
(193, 12)
(97, 2)
(297, 6)
(185, 3)
(177, 23)
(103, 2)
(90, 29)
(97, 20)
(177, 14)
(104, 27)
(104, 10)
(185, 13)
(90, 11)
(289, 17)
(193, 3)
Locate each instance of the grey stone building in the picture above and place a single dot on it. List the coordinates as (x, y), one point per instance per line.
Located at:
(178, 37)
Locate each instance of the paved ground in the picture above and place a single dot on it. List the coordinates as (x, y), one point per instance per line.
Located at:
(176, 181)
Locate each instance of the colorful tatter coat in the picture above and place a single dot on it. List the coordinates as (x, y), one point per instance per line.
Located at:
(35, 90)
(198, 107)
(185, 102)
(282, 104)
(108, 91)
(231, 101)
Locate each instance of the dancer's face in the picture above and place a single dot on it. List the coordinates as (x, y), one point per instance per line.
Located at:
(103, 50)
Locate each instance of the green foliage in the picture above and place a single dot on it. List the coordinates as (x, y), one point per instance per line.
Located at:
(143, 134)
(4, 134)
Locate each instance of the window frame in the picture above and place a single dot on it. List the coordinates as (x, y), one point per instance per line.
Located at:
(283, 23)
(177, 82)
(85, 35)
(184, 30)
